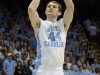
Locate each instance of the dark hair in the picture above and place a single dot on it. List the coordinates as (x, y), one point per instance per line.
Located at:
(97, 70)
(13, 57)
(3, 51)
(18, 62)
(29, 64)
(79, 66)
(64, 64)
(55, 2)
(84, 63)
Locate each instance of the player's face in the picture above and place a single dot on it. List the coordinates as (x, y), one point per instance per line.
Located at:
(52, 10)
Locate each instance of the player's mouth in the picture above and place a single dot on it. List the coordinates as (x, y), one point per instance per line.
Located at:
(50, 11)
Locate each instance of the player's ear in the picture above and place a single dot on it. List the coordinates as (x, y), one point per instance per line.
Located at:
(59, 13)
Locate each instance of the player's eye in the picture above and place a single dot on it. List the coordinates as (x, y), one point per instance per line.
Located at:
(54, 6)
(49, 6)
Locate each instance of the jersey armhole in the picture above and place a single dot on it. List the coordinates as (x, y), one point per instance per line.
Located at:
(41, 23)
(62, 23)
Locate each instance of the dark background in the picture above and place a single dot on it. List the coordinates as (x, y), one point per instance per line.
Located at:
(82, 7)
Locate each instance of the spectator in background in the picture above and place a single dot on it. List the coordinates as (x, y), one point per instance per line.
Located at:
(67, 60)
(18, 68)
(85, 69)
(2, 45)
(31, 65)
(74, 41)
(33, 41)
(91, 54)
(70, 53)
(8, 65)
(79, 32)
(73, 71)
(24, 56)
(87, 23)
(17, 50)
(81, 61)
(25, 51)
(95, 64)
(65, 69)
(20, 36)
(31, 57)
(4, 55)
(18, 56)
(30, 31)
(14, 58)
(25, 69)
(80, 53)
(1, 55)
(26, 42)
(10, 49)
(80, 72)
(73, 64)
(76, 50)
(92, 72)
(29, 48)
(97, 71)
(21, 45)
(93, 33)
(78, 25)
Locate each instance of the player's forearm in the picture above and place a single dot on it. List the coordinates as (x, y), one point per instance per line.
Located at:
(34, 4)
(69, 4)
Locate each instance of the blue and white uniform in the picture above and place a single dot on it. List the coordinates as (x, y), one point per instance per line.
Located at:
(51, 41)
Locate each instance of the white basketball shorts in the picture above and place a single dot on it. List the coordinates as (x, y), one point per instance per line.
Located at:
(44, 70)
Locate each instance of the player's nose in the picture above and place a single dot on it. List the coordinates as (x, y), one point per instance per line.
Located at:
(51, 7)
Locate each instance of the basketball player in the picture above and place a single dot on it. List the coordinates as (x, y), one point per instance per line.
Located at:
(51, 36)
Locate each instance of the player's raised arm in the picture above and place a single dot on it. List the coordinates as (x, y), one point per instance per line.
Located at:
(68, 14)
(33, 15)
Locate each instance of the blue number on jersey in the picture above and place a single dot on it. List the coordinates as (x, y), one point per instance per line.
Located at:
(52, 37)
(58, 36)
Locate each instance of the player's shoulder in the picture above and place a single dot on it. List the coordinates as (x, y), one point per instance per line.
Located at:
(60, 20)
(47, 22)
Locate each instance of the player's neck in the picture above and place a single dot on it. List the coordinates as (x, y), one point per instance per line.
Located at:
(52, 19)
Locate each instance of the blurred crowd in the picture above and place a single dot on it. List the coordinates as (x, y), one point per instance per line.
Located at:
(18, 45)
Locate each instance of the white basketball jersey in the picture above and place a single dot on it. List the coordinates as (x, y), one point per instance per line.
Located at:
(51, 41)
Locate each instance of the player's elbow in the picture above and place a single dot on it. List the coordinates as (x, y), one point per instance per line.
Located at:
(71, 7)
(30, 10)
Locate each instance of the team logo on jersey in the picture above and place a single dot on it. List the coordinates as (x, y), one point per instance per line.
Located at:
(54, 37)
